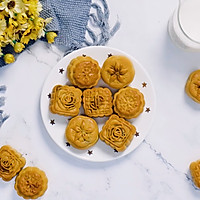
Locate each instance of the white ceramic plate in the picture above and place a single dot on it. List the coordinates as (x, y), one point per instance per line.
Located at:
(56, 124)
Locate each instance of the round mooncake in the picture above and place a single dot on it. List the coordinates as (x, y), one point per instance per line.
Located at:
(192, 86)
(31, 183)
(84, 72)
(82, 132)
(128, 102)
(117, 71)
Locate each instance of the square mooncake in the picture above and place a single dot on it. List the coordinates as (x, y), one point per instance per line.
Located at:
(97, 102)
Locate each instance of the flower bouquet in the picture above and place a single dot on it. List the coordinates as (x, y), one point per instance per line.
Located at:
(20, 22)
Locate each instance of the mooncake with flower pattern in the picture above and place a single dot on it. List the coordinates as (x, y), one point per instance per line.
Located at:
(192, 86)
(195, 172)
(65, 100)
(11, 162)
(31, 183)
(84, 72)
(128, 102)
(117, 71)
(82, 132)
(117, 133)
(97, 102)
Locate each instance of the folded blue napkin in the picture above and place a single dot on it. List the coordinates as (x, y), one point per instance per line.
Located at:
(72, 20)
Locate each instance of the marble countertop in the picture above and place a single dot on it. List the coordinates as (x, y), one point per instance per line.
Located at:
(159, 167)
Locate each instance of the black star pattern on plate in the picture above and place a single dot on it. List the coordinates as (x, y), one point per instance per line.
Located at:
(49, 95)
(52, 121)
(61, 70)
(90, 152)
(67, 144)
(137, 134)
(115, 150)
(144, 84)
(148, 110)
(109, 55)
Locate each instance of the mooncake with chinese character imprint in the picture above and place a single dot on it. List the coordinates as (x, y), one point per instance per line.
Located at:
(117, 71)
(128, 102)
(117, 133)
(82, 132)
(11, 162)
(195, 172)
(31, 183)
(192, 87)
(65, 100)
(97, 102)
(84, 72)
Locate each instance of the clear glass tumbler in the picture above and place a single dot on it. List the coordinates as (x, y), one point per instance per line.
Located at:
(184, 25)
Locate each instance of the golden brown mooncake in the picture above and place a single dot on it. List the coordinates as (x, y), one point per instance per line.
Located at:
(117, 71)
(117, 132)
(11, 162)
(65, 100)
(31, 183)
(128, 102)
(84, 72)
(97, 102)
(192, 86)
(195, 172)
(82, 132)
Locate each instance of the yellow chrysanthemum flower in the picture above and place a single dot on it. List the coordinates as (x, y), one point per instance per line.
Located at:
(9, 58)
(51, 36)
(22, 18)
(2, 26)
(33, 7)
(18, 47)
(12, 6)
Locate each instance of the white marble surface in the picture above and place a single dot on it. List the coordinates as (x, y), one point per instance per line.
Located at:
(158, 168)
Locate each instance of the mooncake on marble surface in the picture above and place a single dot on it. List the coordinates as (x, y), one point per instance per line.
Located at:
(117, 71)
(192, 86)
(31, 183)
(84, 72)
(128, 102)
(117, 133)
(97, 102)
(82, 132)
(65, 100)
(11, 162)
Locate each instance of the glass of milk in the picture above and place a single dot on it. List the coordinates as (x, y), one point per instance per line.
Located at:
(184, 25)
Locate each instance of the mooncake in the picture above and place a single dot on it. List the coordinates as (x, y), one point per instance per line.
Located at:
(192, 86)
(65, 100)
(97, 102)
(11, 162)
(84, 72)
(128, 102)
(195, 172)
(117, 133)
(82, 132)
(117, 71)
(31, 183)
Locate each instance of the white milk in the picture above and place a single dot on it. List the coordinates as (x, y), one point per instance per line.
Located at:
(184, 25)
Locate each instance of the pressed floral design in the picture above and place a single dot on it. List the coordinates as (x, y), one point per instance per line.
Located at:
(82, 132)
(31, 183)
(117, 133)
(11, 162)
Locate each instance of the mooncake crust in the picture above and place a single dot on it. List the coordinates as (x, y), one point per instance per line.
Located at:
(97, 102)
(117, 133)
(31, 183)
(128, 102)
(192, 86)
(195, 172)
(82, 132)
(11, 162)
(117, 71)
(65, 100)
(84, 72)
